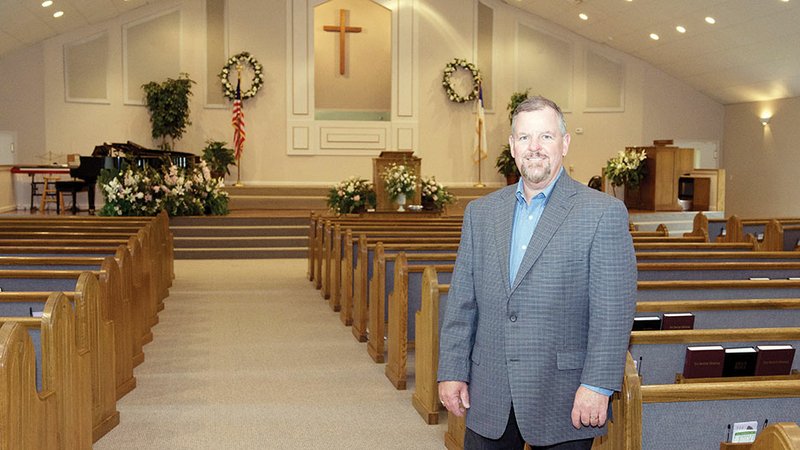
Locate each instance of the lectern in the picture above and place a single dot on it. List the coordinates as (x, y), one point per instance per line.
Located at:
(665, 164)
(384, 160)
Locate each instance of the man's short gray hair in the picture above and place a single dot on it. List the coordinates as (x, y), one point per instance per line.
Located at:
(538, 103)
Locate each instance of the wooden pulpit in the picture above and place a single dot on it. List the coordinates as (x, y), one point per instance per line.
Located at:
(379, 164)
(665, 165)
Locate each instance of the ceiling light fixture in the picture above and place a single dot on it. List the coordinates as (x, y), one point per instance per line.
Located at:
(58, 14)
(583, 16)
(711, 20)
(680, 29)
(654, 36)
(47, 3)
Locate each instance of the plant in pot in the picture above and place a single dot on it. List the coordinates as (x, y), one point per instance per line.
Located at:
(505, 163)
(627, 168)
(219, 158)
(168, 104)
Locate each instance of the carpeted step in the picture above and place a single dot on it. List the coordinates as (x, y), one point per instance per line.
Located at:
(241, 242)
(240, 253)
(240, 231)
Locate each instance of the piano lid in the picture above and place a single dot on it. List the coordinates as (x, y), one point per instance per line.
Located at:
(132, 149)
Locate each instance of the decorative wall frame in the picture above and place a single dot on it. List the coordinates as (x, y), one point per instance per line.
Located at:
(605, 83)
(308, 136)
(140, 64)
(538, 48)
(86, 70)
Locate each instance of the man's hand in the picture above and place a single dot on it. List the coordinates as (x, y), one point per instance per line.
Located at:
(589, 408)
(454, 395)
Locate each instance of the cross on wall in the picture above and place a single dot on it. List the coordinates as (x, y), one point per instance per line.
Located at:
(342, 29)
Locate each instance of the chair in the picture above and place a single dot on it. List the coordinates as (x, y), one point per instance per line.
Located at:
(50, 194)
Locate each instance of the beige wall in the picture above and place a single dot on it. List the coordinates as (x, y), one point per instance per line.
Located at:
(7, 202)
(762, 163)
(656, 106)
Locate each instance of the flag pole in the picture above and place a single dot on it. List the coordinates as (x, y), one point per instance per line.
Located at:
(481, 128)
(239, 153)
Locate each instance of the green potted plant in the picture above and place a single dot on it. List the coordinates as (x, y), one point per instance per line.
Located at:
(353, 195)
(218, 157)
(627, 168)
(168, 104)
(505, 163)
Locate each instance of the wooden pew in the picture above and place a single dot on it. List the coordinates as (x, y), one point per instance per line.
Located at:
(111, 289)
(717, 289)
(728, 270)
(780, 237)
(66, 365)
(396, 233)
(153, 233)
(718, 256)
(640, 247)
(361, 276)
(27, 417)
(322, 235)
(99, 333)
(389, 310)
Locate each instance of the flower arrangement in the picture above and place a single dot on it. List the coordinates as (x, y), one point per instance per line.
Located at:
(145, 192)
(399, 180)
(627, 168)
(229, 90)
(447, 80)
(351, 195)
(435, 195)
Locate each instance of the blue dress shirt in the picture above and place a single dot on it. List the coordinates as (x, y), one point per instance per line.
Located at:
(526, 217)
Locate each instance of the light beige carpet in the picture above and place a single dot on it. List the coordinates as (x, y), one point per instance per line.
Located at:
(248, 356)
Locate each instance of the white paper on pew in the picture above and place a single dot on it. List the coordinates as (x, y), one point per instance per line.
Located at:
(744, 432)
(759, 278)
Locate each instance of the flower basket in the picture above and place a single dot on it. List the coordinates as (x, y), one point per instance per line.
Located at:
(434, 195)
(352, 195)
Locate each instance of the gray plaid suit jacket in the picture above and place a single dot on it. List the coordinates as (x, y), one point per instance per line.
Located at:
(565, 320)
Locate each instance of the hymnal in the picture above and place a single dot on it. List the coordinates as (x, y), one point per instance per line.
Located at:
(739, 362)
(703, 361)
(677, 321)
(774, 359)
(646, 323)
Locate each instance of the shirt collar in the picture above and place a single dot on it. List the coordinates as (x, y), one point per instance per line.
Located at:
(520, 193)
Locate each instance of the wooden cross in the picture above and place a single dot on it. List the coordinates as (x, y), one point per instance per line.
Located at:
(341, 29)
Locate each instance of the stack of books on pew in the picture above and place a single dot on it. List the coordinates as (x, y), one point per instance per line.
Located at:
(713, 361)
(667, 321)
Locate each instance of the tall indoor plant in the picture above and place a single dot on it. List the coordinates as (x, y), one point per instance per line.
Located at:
(505, 163)
(168, 104)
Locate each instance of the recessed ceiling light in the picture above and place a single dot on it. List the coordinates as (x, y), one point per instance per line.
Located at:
(654, 36)
(47, 3)
(680, 29)
(711, 20)
(583, 16)
(58, 14)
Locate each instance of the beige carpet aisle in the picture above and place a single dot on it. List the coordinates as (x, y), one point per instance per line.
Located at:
(247, 356)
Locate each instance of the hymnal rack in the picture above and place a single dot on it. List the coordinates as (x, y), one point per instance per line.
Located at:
(680, 379)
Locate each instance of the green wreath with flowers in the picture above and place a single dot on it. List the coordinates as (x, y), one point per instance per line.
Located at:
(447, 80)
(244, 58)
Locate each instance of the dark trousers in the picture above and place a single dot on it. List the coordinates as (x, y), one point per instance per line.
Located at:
(512, 440)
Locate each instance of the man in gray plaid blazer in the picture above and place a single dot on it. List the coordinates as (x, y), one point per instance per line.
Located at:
(541, 302)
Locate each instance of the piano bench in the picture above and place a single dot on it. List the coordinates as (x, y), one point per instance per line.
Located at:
(71, 187)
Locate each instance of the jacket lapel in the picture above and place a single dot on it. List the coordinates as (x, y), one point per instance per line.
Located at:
(558, 206)
(504, 211)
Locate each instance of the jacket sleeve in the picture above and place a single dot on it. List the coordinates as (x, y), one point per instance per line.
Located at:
(457, 332)
(612, 299)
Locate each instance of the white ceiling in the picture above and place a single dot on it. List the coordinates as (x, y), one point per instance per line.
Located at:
(752, 53)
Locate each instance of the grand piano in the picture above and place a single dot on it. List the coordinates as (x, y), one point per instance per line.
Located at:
(86, 169)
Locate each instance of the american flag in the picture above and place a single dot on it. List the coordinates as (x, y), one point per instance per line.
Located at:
(238, 122)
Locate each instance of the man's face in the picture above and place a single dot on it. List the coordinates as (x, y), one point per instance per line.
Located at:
(538, 147)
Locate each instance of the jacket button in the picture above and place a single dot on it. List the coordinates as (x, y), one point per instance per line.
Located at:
(513, 318)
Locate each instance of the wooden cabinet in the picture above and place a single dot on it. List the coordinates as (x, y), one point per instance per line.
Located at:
(665, 164)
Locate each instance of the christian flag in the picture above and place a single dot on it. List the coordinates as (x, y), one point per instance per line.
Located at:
(238, 122)
(480, 151)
